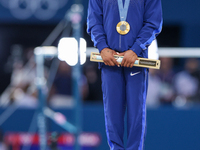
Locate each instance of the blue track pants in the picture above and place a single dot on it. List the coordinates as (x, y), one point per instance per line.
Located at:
(125, 88)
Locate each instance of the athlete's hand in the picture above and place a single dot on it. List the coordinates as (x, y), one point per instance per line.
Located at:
(129, 58)
(108, 57)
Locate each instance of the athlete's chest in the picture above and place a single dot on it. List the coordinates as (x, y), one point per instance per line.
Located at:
(113, 4)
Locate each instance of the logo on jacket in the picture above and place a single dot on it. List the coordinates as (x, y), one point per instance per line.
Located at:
(132, 74)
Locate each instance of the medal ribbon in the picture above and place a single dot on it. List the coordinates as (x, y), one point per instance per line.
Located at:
(123, 10)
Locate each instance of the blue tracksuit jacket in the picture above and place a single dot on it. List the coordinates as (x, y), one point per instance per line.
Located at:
(124, 88)
(144, 17)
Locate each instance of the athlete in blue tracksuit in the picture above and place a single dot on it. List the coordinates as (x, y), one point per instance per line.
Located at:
(124, 87)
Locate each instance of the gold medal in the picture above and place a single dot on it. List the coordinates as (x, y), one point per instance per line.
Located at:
(123, 27)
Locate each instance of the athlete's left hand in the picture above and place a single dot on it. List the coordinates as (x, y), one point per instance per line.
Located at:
(129, 58)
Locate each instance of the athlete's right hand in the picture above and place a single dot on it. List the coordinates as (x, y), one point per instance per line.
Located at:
(108, 57)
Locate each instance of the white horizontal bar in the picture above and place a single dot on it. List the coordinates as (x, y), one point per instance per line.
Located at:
(46, 51)
(90, 50)
(179, 52)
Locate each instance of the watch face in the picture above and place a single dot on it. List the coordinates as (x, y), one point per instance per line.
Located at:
(45, 9)
(40, 9)
(20, 9)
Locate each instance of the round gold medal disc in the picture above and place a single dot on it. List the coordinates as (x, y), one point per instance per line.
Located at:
(123, 27)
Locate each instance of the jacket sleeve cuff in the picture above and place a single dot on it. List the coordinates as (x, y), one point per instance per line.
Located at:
(101, 45)
(136, 48)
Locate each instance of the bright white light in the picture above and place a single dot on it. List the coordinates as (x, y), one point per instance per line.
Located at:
(153, 50)
(83, 47)
(68, 51)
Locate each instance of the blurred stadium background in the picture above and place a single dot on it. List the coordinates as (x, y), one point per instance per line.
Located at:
(173, 103)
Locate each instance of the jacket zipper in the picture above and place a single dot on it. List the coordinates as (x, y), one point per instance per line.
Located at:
(120, 43)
